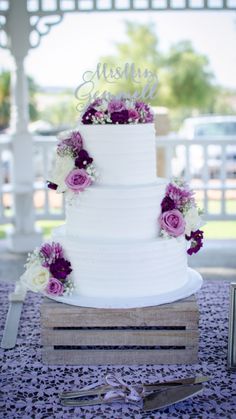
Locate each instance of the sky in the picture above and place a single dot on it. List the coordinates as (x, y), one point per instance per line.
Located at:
(76, 44)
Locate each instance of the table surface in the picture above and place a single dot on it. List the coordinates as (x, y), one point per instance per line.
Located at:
(30, 389)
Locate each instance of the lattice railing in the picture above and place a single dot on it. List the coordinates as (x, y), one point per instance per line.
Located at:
(213, 181)
(66, 6)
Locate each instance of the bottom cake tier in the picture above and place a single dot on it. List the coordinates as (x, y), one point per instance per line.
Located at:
(125, 269)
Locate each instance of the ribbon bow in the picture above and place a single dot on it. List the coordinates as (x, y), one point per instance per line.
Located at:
(121, 390)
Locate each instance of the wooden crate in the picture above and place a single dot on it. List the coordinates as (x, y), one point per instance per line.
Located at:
(166, 334)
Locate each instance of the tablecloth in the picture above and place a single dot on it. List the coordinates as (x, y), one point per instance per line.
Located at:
(30, 389)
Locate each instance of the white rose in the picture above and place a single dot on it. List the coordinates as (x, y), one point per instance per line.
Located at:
(193, 221)
(35, 277)
(63, 166)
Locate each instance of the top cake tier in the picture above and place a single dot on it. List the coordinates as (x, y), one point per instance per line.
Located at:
(123, 154)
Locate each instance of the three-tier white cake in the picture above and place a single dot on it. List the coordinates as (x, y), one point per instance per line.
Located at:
(112, 235)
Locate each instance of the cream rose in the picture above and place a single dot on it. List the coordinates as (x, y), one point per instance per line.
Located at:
(35, 277)
(193, 221)
(63, 166)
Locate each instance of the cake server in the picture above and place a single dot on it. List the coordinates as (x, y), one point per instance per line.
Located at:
(101, 389)
(16, 300)
(162, 399)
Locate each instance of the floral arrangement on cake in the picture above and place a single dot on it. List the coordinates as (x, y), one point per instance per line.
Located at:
(117, 111)
(47, 271)
(73, 169)
(181, 216)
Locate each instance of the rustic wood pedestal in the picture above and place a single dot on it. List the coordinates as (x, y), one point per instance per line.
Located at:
(166, 334)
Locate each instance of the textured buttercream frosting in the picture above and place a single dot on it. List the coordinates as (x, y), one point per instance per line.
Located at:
(111, 235)
(125, 269)
(128, 212)
(123, 154)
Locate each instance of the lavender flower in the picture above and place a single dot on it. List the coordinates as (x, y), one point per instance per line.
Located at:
(71, 145)
(50, 252)
(180, 196)
(60, 268)
(141, 106)
(103, 111)
(196, 238)
(83, 159)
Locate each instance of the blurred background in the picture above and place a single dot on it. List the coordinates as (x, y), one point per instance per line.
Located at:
(46, 45)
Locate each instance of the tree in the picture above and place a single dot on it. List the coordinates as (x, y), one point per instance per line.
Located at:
(62, 112)
(185, 81)
(4, 98)
(188, 77)
(5, 103)
(141, 48)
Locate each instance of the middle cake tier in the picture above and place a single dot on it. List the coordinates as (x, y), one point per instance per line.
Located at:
(116, 213)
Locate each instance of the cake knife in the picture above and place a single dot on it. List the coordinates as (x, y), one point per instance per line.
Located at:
(16, 300)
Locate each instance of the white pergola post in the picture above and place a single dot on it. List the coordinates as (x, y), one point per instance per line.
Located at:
(23, 237)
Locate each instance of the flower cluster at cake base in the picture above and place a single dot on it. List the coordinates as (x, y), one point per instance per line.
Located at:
(73, 169)
(180, 215)
(47, 271)
(117, 111)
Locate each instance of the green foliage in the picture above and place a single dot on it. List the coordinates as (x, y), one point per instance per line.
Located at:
(188, 77)
(4, 98)
(5, 81)
(185, 81)
(141, 48)
(63, 112)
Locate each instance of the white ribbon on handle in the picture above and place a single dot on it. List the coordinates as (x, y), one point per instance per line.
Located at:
(121, 390)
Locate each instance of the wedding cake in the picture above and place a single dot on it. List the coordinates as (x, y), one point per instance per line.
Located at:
(127, 232)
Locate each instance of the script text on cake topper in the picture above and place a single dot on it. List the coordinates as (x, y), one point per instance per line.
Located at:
(86, 92)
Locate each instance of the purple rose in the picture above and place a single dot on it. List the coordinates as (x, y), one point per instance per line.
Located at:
(167, 204)
(60, 269)
(133, 114)
(78, 180)
(120, 117)
(83, 159)
(116, 106)
(172, 222)
(87, 117)
(148, 117)
(54, 287)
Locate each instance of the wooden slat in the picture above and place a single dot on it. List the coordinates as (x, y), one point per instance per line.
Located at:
(188, 319)
(119, 337)
(182, 313)
(118, 357)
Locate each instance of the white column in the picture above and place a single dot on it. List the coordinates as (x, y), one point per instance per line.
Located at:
(23, 237)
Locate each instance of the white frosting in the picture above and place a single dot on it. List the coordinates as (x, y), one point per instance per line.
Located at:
(116, 212)
(125, 269)
(123, 154)
(111, 231)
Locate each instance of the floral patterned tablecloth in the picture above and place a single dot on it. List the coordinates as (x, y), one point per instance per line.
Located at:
(29, 389)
